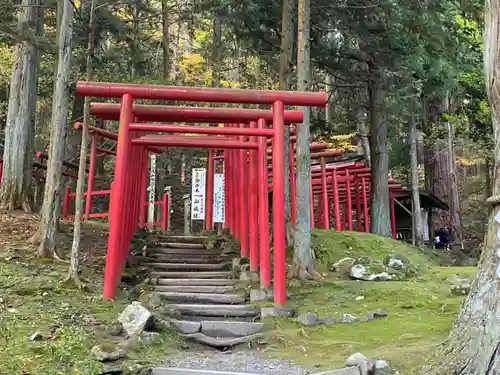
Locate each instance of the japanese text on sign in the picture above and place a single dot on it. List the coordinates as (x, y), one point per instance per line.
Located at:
(198, 193)
(218, 214)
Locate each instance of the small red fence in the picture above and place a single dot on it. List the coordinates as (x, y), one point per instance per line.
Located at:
(163, 204)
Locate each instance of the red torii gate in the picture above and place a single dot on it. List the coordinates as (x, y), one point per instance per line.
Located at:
(122, 230)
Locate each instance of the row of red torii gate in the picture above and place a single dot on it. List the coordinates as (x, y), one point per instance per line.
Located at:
(250, 146)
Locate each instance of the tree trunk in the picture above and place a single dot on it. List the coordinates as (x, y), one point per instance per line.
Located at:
(303, 258)
(166, 40)
(16, 192)
(415, 189)
(285, 72)
(51, 208)
(364, 135)
(440, 179)
(82, 166)
(473, 345)
(380, 222)
(216, 50)
(487, 177)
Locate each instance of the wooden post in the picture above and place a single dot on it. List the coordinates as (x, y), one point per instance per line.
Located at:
(187, 214)
(168, 190)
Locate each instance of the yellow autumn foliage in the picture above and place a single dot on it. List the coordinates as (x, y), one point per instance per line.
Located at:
(341, 141)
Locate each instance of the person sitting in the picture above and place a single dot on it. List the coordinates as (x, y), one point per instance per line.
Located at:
(441, 239)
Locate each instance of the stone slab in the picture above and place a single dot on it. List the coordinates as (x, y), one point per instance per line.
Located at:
(181, 245)
(186, 326)
(181, 371)
(223, 342)
(215, 310)
(191, 275)
(184, 258)
(195, 288)
(196, 282)
(188, 239)
(222, 299)
(187, 252)
(192, 266)
(230, 329)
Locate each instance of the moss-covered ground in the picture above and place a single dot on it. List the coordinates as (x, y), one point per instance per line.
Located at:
(421, 310)
(35, 298)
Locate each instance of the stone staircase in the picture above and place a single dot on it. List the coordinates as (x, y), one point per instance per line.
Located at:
(201, 285)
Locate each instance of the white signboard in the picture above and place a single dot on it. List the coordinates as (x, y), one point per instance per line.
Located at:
(198, 194)
(152, 190)
(218, 215)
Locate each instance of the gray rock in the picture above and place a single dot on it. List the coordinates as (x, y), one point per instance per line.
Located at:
(397, 261)
(328, 321)
(381, 367)
(259, 295)
(135, 319)
(111, 370)
(249, 276)
(36, 336)
(115, 329)
(460, 290)
(372, 315)
(460, 285)
(359, 360)
(308, 319)
(148, 338)
(358, 272)
(276, 312)
(186, 326)
(108, 352)
(348, 318)
(382, 276)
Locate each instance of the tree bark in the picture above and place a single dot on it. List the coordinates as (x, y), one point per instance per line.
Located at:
(379, 208)
(285, 73)
(82, 166)
(16, 191)
(166, 40)
(364, 135)
(49, 219)
(303, 259)
(415, 188)
(473, 345)
(440, 167)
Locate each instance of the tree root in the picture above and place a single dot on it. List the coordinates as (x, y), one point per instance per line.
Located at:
(57, 258)
(75, 280)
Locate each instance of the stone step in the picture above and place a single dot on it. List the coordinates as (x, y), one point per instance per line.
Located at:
(230, 329)
(184, 258)
(181, 251)
(195, 282)
(194, 288)
(212, 298)
(180, 245)
(222, 342)
(194, 318)
(191, 275)
(217, 328)
(184, 371)
(192, 266)
(216, 310)
(182, 239)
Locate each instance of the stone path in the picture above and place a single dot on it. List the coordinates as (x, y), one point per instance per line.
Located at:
(201, 285)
